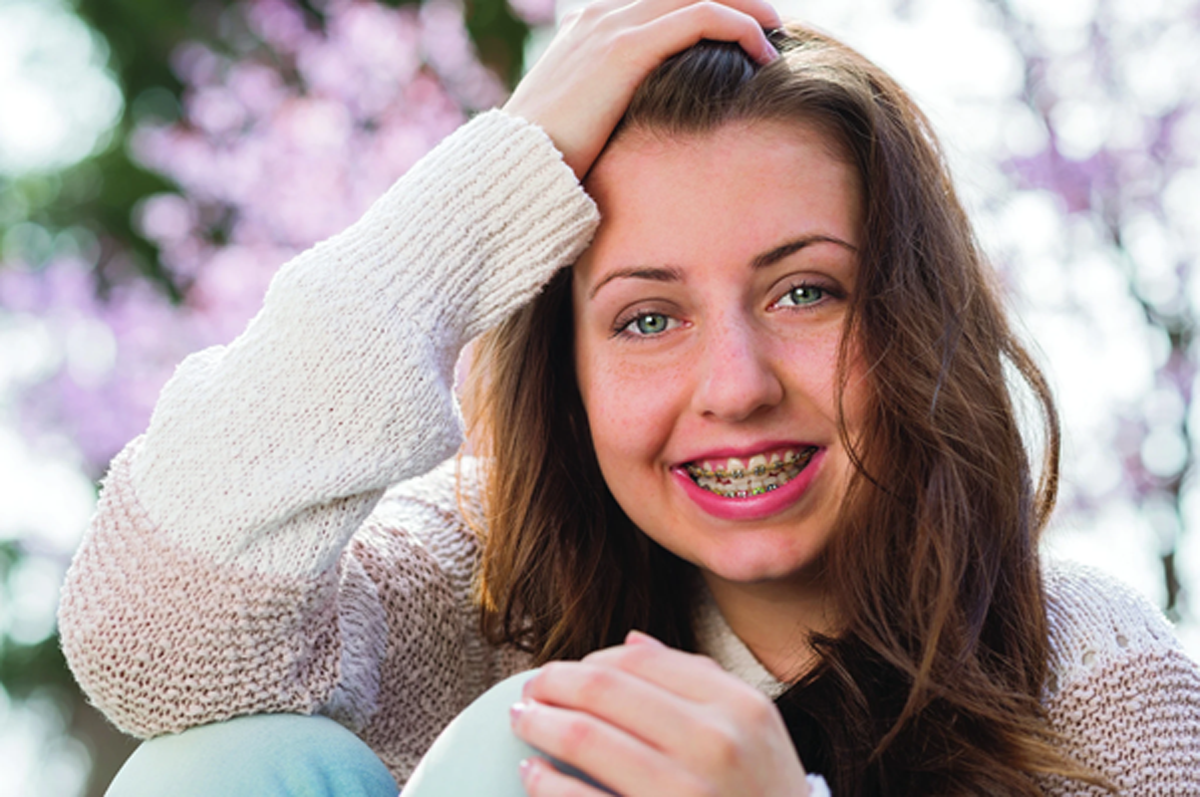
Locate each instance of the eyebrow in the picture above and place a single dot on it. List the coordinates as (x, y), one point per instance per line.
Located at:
(673, 274)
(791, 247)
(659, 274)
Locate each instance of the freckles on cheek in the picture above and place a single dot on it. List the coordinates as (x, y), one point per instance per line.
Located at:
(618, 396)
(814, 364)
(628, 407)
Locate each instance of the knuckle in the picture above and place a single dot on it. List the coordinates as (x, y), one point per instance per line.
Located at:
(641, 654)
(720, 744)
(727, 752)
(623, 42)
(551, 673)
(557, 671)
(630, 654)
(591, 13)
(719, 17)
(595, 687)
(758, 710)
(577, 736)
(708, 12)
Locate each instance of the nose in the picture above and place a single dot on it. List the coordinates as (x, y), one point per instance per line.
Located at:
(737, 375)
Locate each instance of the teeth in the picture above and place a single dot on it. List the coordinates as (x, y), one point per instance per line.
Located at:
(737, 479)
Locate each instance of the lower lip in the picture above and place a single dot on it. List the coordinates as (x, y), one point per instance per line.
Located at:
(754, 507)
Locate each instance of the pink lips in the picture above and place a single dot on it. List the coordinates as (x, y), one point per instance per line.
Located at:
(753, 507)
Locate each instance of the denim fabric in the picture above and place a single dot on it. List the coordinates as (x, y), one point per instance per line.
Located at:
(477, 753)
(278, 755)
(266, 755)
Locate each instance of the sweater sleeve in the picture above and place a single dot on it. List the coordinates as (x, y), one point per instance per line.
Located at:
(1123, 696)
(219, 576)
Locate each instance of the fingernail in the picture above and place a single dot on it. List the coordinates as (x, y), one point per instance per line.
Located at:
(514, 713)
(525, 767)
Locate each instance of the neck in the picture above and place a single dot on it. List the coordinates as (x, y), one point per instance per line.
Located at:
(774, 620)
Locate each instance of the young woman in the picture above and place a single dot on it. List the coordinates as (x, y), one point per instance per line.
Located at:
(750, 480)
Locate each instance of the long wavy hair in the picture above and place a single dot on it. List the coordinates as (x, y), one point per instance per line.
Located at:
(931, 685)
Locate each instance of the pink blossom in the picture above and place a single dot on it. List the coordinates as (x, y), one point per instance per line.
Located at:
(279, 23)
(275, 151)
(165, 218)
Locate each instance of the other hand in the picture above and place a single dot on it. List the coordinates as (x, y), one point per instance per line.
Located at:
(579, 89)
(647, 720)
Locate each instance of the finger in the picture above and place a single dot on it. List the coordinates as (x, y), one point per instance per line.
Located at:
(688, 675)
(686, 26)
(719, 708)
(661, 28)
(639, 13)
(606, 753)
(644, 710)
(727, 725)
(582, 85)
(541, 779)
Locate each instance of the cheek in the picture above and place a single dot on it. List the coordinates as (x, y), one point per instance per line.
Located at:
(857, 397)
(811, 361)
(631, 410)
(857, 394)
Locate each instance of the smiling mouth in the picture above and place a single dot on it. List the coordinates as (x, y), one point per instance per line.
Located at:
(761, 474)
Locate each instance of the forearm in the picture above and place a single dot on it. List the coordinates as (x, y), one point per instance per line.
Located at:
(342, 385)
(212, 564)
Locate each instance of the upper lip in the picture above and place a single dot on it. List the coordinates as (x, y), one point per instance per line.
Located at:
(746, 451)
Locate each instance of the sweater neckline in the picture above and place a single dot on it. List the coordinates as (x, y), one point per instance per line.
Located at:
(717, 640)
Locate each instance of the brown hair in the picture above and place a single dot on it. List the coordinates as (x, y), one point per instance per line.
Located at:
(932, 685)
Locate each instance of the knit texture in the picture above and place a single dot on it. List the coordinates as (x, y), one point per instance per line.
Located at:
(1123, 695)
(284, 539)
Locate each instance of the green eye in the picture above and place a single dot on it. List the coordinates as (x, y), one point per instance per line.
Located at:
(651, 323)
(645, 324)
(803, 295)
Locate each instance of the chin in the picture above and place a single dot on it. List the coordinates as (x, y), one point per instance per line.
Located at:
(763, 568)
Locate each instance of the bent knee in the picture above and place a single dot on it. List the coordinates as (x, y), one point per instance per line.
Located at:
(477, 753)
(267, 754)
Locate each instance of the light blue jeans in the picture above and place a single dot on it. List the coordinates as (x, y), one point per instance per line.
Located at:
(273, 755)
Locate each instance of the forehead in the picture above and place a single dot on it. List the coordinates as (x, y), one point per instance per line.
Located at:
(724, 195)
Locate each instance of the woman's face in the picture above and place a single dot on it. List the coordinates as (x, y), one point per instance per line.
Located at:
(708, 317)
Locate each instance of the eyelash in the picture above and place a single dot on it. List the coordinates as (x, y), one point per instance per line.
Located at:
(621, 328)
(824, 292)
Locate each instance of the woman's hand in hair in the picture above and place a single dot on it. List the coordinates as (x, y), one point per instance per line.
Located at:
(646, 720)
(579, 89)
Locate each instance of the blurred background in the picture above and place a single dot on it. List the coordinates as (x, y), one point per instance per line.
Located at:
(159, 159)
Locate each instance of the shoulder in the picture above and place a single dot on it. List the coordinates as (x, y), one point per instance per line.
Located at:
(1094, 618)
(1122, 696)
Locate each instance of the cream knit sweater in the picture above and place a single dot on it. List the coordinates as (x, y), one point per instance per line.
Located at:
(283, 539)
